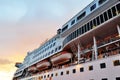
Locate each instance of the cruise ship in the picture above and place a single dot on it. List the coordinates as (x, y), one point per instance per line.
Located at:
(87, 47)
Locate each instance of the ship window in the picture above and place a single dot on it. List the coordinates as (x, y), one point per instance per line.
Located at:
(61, 73)
(55, 49)
(44, 76)
(85, 28)
(92, 7)
(109, 13)
(74, 70)
(77, 32)
(118, 8)
(90, 68)
(73, 35)
(81, 16)
(41, 77)
(49, 53)
(102, 65)
(98, 20)
(88, 25)
(72, 22)
(63, 29)
(101, 1)
(56, 74)
(53, 44)
(91, 25)
(51, 75)
(116, 62)
(104, 79)
(114, 12)
(117, 78)
(82, 30)
(67, 72)
(105, 16)
(48, 76)
(94, 22)
(82, 69)
(101, 18)
(59, 47)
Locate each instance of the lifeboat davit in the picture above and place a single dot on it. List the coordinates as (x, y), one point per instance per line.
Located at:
(32, 69)
(43, 65)
(61, 58)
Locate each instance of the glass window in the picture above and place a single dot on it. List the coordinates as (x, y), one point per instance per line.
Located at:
(91, 24)
(74, 70)
(53, 44)
(81, 16)
(63, 29)
(98, 20)
(85, 28)
(90, 68)
(102, 65)
(114, 12)
(56, 74)
(101, 18)
(77, 32)
(82, 69)
(72, 22)
(72, 35)
(44, 76)
(41, 77)
(92, 7)
(116, 63)
(51, 75)
(94, 22)
(105, 16)
(59, 47)
(61, 73)
(82, 30)
(55, 49)
(48, 76)
(52, 51)
(67, 72)
(117, 78)
(104, 79)
(101, 1)
(118, 8)
(109, 13)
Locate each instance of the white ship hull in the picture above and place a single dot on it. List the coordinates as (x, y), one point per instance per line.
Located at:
(110, 72)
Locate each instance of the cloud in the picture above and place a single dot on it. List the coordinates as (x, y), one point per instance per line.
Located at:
(5, 61)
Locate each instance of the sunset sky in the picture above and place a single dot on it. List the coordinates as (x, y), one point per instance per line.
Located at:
(25, 24)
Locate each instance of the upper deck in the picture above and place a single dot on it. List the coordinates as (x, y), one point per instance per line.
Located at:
(92, 10)
(94, 20)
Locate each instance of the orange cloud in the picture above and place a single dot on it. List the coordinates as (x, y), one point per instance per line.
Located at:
(5, 61)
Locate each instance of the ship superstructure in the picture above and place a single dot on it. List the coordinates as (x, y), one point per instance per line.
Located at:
(87, 47)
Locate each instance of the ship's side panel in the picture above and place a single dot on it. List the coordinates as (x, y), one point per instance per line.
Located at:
(101, 69)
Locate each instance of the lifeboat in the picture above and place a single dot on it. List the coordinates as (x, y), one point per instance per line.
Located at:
(43, 65)
(32, 69)
(61, 58)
